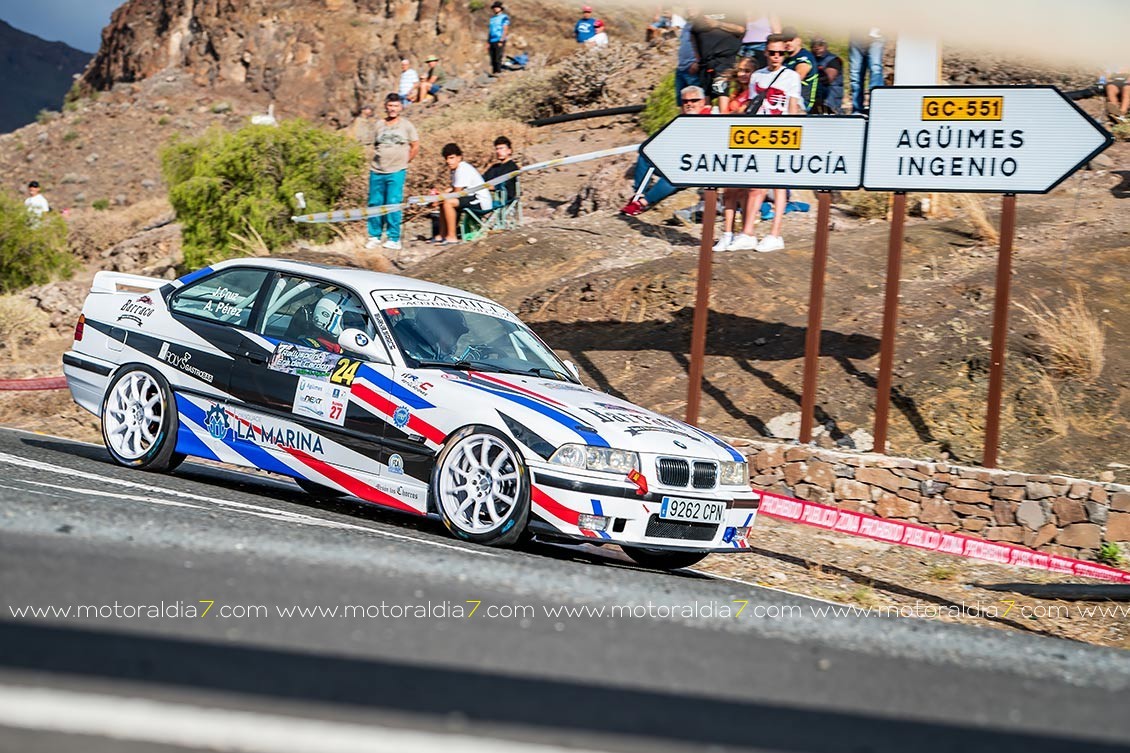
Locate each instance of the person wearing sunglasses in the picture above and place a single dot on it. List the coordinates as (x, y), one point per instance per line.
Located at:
(773, 90)
(694, 103)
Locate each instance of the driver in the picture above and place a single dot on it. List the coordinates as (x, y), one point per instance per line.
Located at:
(331, 314)
(441, 329)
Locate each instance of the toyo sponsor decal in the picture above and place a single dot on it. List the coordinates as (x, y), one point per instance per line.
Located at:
(137, 310)
(182, 362)
(920, 537)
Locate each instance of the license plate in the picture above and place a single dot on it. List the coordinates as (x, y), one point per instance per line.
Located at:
(692, 510)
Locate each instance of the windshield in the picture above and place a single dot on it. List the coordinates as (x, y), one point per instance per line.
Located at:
(445, 335)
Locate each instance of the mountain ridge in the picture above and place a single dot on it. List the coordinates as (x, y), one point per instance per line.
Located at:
(39, 73)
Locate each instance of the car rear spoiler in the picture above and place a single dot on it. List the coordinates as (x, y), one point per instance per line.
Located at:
(114, 282)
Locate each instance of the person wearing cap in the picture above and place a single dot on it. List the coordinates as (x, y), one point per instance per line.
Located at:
(496, 37)
(433, 81)
(585, 28)
(36, 203)
(600, 38)
(804, 63)
(830, 84)
(396, 144)
(408, 83)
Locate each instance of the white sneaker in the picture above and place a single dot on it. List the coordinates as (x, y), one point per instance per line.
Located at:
(771, 243)
(392, 245)
(723, 243)
(373, 242)
(743, 242)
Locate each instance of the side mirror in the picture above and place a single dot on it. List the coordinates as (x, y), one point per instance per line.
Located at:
(355, 341)
(572, 367)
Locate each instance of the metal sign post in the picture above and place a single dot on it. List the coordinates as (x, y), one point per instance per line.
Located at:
(815, 316)
(890, 320)
(701, 305)
(1000, 330)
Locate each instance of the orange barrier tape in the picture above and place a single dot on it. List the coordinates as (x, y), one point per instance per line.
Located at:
(918, 536)
(42, 383)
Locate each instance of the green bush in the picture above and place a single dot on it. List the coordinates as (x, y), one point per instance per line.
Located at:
(660, 108)
(227, 183)
(101, 204)
(33, 250)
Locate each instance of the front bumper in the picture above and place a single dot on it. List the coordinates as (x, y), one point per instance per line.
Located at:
(560, 498)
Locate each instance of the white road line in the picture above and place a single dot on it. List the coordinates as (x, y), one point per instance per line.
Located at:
(31, 491)
(98, 493)
(281, 515)
(166, 723)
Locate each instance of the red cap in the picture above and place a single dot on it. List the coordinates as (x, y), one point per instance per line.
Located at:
(586, 9)
(599, 24)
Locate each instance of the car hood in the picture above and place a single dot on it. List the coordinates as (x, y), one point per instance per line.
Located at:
(567, 407)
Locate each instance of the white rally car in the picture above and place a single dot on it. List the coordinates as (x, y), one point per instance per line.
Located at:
(403, 393)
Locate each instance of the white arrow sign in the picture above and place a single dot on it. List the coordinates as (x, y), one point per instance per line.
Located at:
(990, 139)
(759, 151)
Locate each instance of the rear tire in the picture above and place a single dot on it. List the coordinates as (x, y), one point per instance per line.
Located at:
(140, 421)
(663, 560)
(481, 487)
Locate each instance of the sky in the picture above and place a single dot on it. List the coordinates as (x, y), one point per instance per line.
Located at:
(77, 22)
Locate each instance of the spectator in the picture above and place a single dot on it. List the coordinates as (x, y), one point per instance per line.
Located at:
(585, 28)
(694, 103)
(364, 127)
(1117, 86)
(774, 90)
(496, 37)
(665, 23)
(830, 84)
(408, 84)
(397, 143)
(716, 46)
(504, 163)
(463, 175)
(687, 67)
(757, 31)
(732, 198)
(434, 79)
(600, 38)
(739, 87)
(865, 56)
(804, 63)
(36, 203)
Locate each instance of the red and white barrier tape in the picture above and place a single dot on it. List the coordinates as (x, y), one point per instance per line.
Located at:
(921, 537)
(42, 383)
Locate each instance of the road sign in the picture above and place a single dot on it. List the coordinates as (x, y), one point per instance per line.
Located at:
(987, 139)
(761, 151)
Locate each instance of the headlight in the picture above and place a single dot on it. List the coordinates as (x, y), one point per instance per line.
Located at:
(733, 473)
(596, 458)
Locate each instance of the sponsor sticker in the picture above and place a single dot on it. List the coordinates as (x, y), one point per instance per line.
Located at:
(319, 399)
(216, 421)
(273, 435)
(137, 311)
(415, 383)
(395, 464)
(295, 359)
(410, 298)
(400, 417)
(182, 362)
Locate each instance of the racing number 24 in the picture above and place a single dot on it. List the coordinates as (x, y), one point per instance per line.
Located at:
(345, 371)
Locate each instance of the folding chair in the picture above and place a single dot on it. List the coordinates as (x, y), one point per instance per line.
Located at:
(505, 214)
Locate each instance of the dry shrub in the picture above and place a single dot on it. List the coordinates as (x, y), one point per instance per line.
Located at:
(1071, 340)
(527, 96)
(868, 205)
(583, 78)
(93, 232)
(21, 323)
(973, 208)
(476, 139)
(1122, 131)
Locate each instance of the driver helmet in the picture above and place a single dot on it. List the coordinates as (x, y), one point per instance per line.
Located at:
(332, 311)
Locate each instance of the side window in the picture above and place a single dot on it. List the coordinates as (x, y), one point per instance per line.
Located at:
(226, 297)
(312, 313)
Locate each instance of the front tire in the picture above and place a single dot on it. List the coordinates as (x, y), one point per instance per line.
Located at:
(482, 488)
(139, 420)
(663, 560)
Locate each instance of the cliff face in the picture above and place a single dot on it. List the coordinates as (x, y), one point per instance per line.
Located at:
(314, 58)
(37, 74)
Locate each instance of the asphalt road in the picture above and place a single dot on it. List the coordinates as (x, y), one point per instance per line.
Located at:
(521, 673)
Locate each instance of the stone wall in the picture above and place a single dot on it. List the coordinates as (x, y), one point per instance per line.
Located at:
(1057, 514)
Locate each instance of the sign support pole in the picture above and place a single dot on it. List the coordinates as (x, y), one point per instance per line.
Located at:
(815, 316)
(701, 304)
(890, 320)
(1000, 330)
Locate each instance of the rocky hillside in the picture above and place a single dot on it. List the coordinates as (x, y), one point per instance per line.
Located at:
(37, 74)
